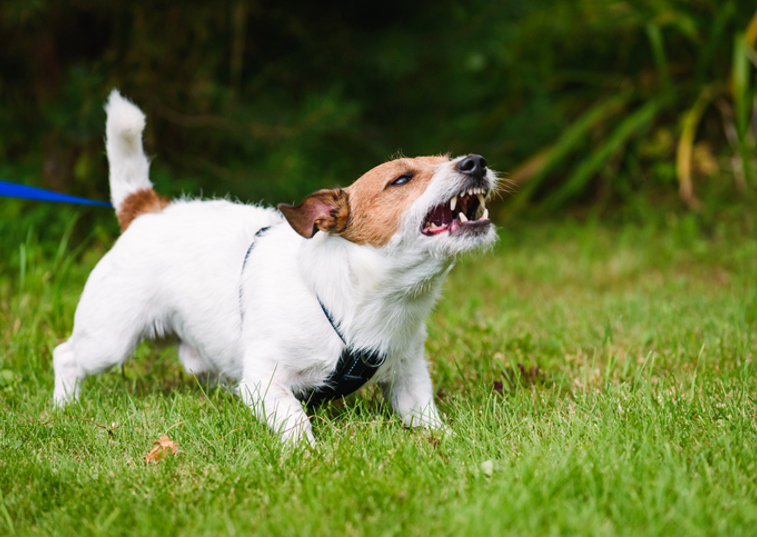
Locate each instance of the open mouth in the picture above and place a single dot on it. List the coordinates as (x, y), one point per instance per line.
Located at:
(465, 211)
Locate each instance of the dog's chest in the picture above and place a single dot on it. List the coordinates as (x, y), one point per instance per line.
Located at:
(289, 291)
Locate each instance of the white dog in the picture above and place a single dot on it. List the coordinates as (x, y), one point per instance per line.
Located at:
(304, 304)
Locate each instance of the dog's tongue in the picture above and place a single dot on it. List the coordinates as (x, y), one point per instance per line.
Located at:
(439, 220)
(451, 227)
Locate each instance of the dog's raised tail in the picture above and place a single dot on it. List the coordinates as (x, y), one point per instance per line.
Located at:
(131, 191)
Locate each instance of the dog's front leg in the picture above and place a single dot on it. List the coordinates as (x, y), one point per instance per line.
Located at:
(276, 405)
(410, 393)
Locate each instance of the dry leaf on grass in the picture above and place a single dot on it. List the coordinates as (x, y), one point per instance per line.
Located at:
(161, 449)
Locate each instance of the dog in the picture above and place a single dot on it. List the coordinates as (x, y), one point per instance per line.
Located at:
(301, 304)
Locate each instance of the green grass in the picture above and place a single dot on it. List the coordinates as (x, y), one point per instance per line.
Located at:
(633, 410)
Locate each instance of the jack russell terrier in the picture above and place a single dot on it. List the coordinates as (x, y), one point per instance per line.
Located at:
(299, 304)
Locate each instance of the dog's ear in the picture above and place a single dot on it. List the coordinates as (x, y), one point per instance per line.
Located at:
(325, 210)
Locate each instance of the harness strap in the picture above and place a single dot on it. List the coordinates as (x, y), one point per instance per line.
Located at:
(331, 320)
(258, 234)
(354, 368)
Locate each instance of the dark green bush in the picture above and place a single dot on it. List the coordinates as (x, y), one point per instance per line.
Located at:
(582, 101)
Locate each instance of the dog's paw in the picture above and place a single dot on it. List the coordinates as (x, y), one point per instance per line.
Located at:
(60, 401)
(62, 397)
(301, 433)
(445, 430)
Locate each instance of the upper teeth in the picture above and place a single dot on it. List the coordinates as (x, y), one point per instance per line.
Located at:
(473, 192)
(480, 193)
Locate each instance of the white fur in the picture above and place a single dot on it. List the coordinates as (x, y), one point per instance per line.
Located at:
(180, 272)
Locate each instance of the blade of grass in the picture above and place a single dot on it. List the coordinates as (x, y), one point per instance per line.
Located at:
(751, 31)
(634, 123)
(722, 18)
(546, 160)
(741, 100)
(740, 83)
(6, 515)
(660, 58)
(63, 244)
(691, 121)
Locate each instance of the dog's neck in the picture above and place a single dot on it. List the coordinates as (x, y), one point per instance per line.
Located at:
(379, 297)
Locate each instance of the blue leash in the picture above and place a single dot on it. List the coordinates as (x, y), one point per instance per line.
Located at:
(14, 190)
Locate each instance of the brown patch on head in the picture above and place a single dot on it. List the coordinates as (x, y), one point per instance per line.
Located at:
(370, 210)
(380, 198)
(140, 202)
(325, 210)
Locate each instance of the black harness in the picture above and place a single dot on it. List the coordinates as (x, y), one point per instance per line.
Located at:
(354, 368)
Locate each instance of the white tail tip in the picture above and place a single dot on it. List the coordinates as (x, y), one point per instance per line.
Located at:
(124, 118)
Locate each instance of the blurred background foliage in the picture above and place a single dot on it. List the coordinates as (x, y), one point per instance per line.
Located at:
(601, 104)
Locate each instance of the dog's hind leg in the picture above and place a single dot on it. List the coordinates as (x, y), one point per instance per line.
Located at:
(193, 363)
(102, 338)
(84, 355)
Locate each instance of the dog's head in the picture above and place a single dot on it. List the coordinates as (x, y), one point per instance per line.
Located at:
(437, 203)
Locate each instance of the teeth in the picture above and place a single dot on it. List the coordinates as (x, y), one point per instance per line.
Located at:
(480, 199)
(453, 203)
(485, 216)
(462, 217)
(472, 192)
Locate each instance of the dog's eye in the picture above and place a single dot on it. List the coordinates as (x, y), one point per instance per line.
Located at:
(402, 180)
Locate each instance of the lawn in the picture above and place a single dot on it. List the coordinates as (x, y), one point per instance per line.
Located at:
(600, 379)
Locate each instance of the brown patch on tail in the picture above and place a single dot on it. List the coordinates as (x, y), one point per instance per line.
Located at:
(140, 202)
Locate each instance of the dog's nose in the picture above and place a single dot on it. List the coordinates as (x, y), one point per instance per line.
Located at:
(474, 165)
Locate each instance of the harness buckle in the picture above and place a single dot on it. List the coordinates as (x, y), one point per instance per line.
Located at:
(374, 365)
